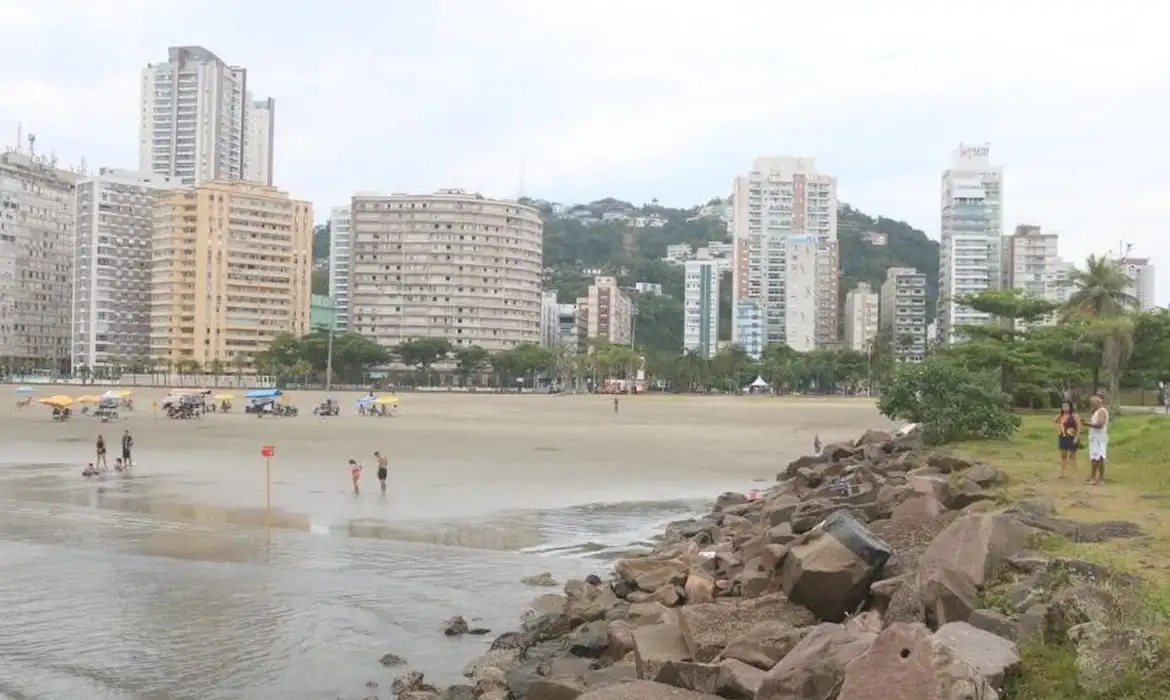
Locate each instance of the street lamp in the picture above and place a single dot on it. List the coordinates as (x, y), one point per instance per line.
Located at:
(329, 350)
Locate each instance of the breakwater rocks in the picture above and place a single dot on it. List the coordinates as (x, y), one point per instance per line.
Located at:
(875, 569)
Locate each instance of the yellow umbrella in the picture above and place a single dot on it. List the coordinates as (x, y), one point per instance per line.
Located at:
(125, 394)
(88, 399)
(224, 397)
(386, 400)
(59, 401)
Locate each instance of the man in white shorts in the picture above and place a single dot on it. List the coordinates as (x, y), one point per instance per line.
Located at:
(1098, 439)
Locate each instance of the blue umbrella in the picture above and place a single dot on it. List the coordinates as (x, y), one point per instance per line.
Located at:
(23, 390)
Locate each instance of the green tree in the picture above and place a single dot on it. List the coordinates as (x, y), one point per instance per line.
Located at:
(470, 360)
(1100, 289)
(950, 401)
(423, 353)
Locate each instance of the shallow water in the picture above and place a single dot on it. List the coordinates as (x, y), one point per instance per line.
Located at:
(161, 586)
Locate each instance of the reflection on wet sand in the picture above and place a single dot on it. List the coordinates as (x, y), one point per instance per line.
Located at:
(162, 584)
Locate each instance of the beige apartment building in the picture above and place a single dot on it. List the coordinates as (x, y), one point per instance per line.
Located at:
(452, 265)
(230, 268)
(609, 312)
(861, 317)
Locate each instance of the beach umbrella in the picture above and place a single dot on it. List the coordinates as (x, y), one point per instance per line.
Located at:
(59, 401)
(24, 390)
(88, 399)
(112, 394)
(386, 400)
(225, 397)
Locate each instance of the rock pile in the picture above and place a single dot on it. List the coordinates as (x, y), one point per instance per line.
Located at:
(874, 569)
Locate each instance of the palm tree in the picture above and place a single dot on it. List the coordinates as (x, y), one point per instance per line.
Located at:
(1101, 289)
(1101, 299)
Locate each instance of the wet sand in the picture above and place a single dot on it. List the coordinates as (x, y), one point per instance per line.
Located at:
(174, 564)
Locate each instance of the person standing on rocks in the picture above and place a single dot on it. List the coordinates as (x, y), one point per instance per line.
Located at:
(1098, 425)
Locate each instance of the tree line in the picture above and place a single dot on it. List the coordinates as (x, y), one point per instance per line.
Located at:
(1034, 354)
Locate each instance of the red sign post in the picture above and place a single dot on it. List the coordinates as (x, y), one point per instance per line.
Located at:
(267, 452)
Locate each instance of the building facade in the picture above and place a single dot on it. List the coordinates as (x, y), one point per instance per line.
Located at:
(970, 251)
(701, 307)
(1032, 264)
(259, 140)
(549, 319)
(861, 317)
(231, 263)
(339, 247)
(1141, 272)
(453, 265)
(194, 118)
(609, 312)
(111, 271)
(572, 327)
(37, 223)
(902, 314)
(322, 315)
(783, 198)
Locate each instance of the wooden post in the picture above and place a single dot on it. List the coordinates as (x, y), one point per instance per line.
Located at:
(268, 452)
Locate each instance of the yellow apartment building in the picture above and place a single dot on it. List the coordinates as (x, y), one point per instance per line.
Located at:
(230, 269)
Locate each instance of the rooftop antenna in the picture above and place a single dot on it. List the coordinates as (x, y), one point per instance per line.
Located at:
(19, 137)
(520, 194)
(32, 145)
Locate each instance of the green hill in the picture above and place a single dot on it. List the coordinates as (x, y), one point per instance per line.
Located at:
(573, 247)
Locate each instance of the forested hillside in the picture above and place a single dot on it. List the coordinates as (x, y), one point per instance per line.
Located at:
(632, 254)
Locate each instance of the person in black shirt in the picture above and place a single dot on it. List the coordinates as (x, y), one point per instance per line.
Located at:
(383, 471)
(127, 445)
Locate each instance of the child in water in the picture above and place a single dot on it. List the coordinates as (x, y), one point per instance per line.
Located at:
(89, 470)
(355, 471)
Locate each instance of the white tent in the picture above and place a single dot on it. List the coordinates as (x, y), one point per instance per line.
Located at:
(759, 383)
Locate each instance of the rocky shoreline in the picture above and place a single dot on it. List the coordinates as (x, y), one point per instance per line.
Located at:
(875, 569)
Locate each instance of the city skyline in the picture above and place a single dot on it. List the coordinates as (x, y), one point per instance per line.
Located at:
(900, 101)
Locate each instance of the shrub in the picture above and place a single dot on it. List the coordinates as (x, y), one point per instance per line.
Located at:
(952, 403)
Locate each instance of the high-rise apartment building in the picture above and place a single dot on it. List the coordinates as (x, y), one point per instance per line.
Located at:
(783, 198)
(609, 312)
(701, 307)
(339, 246)
(231, 268)
(453, 265)
(970, 256)
(572, 327)
(550, 331)
(861, 317)
(111, 270)
(37, 221)
(1032, 264)
(195, 121)
(259, 140)
(1141, 272)
(902, 315)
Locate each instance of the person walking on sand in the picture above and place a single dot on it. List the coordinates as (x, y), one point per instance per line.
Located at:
(1068, 427)
(100, 462)
(383, 470)
(1098, 425)
(615, 405)
(355, 472)
(127, 445)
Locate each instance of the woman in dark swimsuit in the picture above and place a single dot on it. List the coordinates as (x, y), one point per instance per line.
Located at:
(1068, 428)
(101, 454)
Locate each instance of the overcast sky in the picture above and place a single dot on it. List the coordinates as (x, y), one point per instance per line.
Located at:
(640, 99)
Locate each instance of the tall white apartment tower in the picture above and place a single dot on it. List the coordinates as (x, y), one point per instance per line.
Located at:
(970, 256)
(1141, 271)
(701, 307)
(902, 314)
(861, 317)
(37, 220)
(773, 300)
(193, 115)
(339, 263)
(111, 271)
(259, 140)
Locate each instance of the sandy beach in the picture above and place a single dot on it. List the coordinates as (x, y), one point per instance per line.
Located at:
(175, 563)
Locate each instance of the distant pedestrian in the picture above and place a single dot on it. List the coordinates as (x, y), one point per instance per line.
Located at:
(355, 472)
(383, 470)
(615, 405)
(100, 462)
(127, 446)
(817, 444)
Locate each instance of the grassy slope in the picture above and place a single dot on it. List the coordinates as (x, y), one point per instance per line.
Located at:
(1138, 490)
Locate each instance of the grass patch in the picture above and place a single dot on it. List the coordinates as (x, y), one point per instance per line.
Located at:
(1137, 489)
